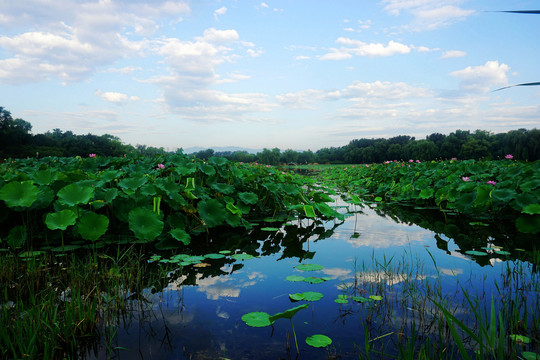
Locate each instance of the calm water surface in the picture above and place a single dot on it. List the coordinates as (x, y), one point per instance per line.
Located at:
(203, 321)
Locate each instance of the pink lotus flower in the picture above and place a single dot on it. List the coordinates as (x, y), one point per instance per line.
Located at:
(509, 156)
(454, 159)
(411, 160)
(92, 155)
(465, 178)
(491, 182)
(160, 166)
(418, 161)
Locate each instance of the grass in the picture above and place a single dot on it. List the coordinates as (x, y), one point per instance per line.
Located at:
(417, 319)
(59, 307)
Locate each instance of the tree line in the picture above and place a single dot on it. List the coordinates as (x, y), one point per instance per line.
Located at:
(17, 141)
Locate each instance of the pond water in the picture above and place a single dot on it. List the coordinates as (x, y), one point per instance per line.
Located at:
(197, 315)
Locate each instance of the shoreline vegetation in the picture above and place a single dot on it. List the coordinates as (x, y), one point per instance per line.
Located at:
(17, 141)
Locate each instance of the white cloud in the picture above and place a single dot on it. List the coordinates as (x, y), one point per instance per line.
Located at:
(116, 97)
(356, 47)
(219, 12)
(482, 78)
(450, 54)
(71, 40)
(264, 5)
(428, 14)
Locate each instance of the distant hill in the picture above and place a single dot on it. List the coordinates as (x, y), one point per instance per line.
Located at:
(217, 149)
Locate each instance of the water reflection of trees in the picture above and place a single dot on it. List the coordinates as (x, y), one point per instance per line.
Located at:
(466, 232)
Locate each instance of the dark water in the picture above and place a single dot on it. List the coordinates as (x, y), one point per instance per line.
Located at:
(373, 252)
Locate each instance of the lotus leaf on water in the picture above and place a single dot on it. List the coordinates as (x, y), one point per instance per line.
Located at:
(475, 253)
(309, 267)
(318, 340)
(242, 256)
(214, 256)
(289, 313)
(294, 278)
(257, 319)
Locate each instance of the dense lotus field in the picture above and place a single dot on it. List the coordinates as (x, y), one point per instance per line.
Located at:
(502, 190)
(64, 203)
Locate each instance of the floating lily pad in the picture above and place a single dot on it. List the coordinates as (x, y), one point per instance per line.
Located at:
(225, 252)
(257, 319)
(296, 297)
(520, 338)
(361, 299)
(312, 296)
(475, 253)
(270, 229)
(502, 252)
(214, 256)
(478, 223)
(66, 248)
(242, 256)
(341, 301)
(318, 340)
(313, 280)
(31, 254)
(309, 267)
(375, 297)
(294, 278)
(194, 259)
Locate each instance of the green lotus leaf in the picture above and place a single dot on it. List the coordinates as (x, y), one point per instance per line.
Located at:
(296, 297)
(271, 229)
(17, 237)
(531, 209)
(294, 278)
(223, 188)
(181, 235)
(242, 256)
(426, 193)
(194, 259)
(520, 338)
(44, 198)
(214, 256)
(226, 252)
(132, 183)
(318, 341)
(45, 177)
(529, 224)
(289, 313)
(74, 194)
(309, 211)
(313, 280)
(378, 198)
(361, 299)
(341, 301)
(529, 355)
(92, 226)
(207, 169)
(65, 248)
(60, 220)
(110, 175)
(145, 223)
(475, 253)
(257, 319)
(31, 254)
(375, 297)
(19, 193)
(107, 195)
(212, 212)
(312, 296)
(502, 252)
(248, 198)
(309, 267)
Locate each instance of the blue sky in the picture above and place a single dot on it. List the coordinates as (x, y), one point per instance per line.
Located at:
(298, 74)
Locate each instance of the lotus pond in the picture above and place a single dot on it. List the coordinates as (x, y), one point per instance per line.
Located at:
(171, 258)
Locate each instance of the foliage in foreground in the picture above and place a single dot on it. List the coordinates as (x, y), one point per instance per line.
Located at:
(503, 190)
(163, 200)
